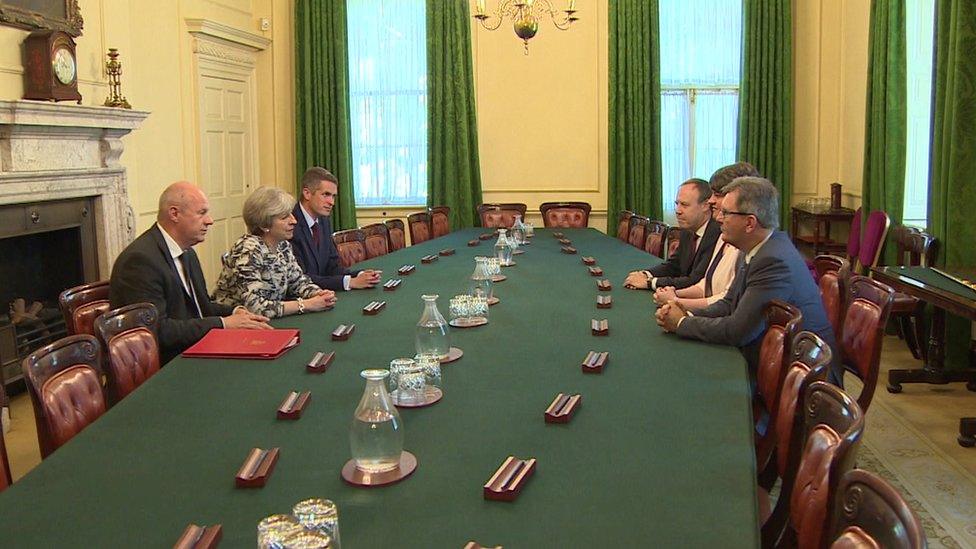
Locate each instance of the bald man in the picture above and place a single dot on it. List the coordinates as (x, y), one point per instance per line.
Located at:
(160, 267)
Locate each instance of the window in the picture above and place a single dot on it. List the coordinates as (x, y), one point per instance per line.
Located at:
(388, 101)
(701, 59)
(919, 45)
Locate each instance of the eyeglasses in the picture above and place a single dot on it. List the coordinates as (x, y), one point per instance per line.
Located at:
(725, 212)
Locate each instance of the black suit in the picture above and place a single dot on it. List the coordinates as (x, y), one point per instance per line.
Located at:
(687, 266)
(145, 271)
(321, 263)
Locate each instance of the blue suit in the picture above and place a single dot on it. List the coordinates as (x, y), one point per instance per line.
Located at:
(776, 272)
(321, 263)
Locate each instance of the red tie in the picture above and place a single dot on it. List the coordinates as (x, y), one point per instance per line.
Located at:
(315, 233)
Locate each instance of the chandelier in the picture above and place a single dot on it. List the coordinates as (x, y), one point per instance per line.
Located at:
(526, 14)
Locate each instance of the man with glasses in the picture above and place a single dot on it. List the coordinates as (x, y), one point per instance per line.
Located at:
(769, 268)
(688, 263)
(721, 269)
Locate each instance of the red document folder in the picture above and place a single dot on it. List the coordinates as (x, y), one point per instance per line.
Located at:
(259, 344)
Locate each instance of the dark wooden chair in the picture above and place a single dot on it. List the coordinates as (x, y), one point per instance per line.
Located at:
(915, 248)
(832, 273)
(674, 238)
(81, 305)
(655, 234)
(397, 234)
(351, 244)
(637, 230)
(377, 241)
(869, 512)
(440, 221)
(868, 304)
(64, 380)
(5, 477)
(623, 225)
(494, 216)
(419, 225)
(775, 356)
(128, 335)
(565, 214)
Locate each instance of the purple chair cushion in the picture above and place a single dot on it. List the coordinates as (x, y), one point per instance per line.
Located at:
(854, 240)
(874, 234)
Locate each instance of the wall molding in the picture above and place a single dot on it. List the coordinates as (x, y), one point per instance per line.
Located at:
(213, 29)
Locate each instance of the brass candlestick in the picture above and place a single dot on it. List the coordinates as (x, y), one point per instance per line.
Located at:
(114, 68)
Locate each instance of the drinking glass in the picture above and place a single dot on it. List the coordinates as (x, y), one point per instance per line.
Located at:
(307, 539)
(273, 530)
(320, 515)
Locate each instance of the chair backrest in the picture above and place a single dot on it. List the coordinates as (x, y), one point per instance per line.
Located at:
(832, 273)
(862, 331)
(64, 380)
(440, 221)
(811, 358)
(419, 224)
(674, 238)
(873, 239)
(128, 335)
(869, 512)
(351, 244)
(655, 234)
(638, 227)
(623, 224)
(501, 214)
(775, 355)
(5, 477)
(377, 241)
(915, 246)
(854, 238)
(565, 214)
(397, 234)
(92, 299)
(833, 425)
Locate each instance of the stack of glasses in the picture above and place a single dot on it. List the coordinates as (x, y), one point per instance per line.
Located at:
(313, 524)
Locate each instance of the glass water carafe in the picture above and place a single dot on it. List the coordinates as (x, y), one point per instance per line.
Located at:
(432, 332)
(376, 436)
(503, 249)
(480, 282)
(518, 230)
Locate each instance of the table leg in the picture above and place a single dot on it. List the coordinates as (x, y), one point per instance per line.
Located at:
(933, 372)
(816, 237)
(967, 432)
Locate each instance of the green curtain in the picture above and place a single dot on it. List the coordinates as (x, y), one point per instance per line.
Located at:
(766, 95)
(952, 191)
(453, 169)
(635, 110)
(322, 134)
(883, 185)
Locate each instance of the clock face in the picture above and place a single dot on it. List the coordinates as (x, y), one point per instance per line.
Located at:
(64, 65)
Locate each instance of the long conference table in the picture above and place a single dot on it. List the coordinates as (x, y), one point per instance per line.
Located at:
(659, 454)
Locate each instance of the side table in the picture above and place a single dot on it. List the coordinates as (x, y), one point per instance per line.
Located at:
(820, 240)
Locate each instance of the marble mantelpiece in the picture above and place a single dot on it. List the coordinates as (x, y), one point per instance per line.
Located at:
(53, 151)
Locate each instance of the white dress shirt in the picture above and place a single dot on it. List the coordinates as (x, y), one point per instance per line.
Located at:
(175, 251)
(724, 272)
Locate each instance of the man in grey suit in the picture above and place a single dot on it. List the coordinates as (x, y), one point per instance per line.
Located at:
(769, 268)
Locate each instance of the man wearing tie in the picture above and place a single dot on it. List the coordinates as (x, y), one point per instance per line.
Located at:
(160, 267)
(688, 263)
(312, 242)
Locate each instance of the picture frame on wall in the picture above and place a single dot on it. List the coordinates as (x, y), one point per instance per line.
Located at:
(61, 15)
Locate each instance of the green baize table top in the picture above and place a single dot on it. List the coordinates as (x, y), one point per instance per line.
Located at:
(659, 454)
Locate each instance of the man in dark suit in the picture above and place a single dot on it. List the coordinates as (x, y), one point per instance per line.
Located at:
(687, 265)
(769, 268)
(160, 267)
(312, 242)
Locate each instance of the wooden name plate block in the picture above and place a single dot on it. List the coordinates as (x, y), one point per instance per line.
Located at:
(594, 362)
(600, 327)
(406, 269)
(596, 271)
(486, 236)
(587, 260)
(427, 259)
(374, 307)
(447, 252)
(391, 284)
(293, 405)
(563, 407)
(320, 362)
(200, 537)
(474, 242)
(604, 301)
(509, 479)
(603, 285)
(476, 545)
(568, 250)
(257, 468)
(557, 235)
(343, 332)
(565, 241)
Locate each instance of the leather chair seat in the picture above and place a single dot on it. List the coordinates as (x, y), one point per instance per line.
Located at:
(854, 538)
